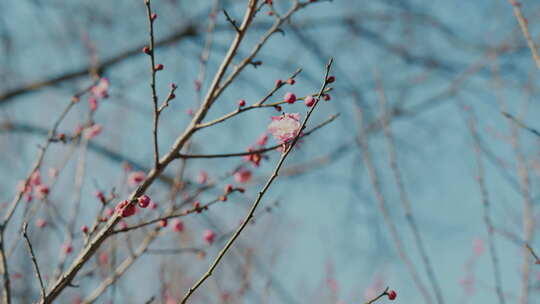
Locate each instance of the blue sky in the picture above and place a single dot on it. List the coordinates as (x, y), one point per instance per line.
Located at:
(328, 215)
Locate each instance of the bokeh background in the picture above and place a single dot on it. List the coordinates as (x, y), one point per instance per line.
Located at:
(324, 240)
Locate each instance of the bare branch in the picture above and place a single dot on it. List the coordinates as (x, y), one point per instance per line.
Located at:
(34, 259)
(255, 204)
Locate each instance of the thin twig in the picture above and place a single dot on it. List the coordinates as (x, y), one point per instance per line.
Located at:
(520, 123)
(487, 210)
(382, 294)
(6, 292)
(231, 21)
(257, 105)
(524, 25)
(34, 260)
(153, 71)
(535, 256)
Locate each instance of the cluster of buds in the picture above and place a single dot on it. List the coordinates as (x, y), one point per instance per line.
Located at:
(98, 92)
(33, 187)
(127, 208)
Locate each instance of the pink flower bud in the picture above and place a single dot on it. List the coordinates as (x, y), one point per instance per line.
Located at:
(144, 201)
(67, 248)
(209, 236)
(289, 97)
(242, 176)
(197, 206)
(291, 81)
(41, 191)
(330, 79)
(92, 103)
(203, 177)
(109, 212)
(391, 295)
(103, 258)
(162, 223)
(241, 103)
(84, 229)
(93, 131)
(153, 16)
(279, 83)
(41, 223)
(309, 101)
(100, 196)
(153, 205)
(125, 209)
(228, 188)
(146, 50)
(262, 140)
(135, 178)
(177, 225)
(159, 67)
(100, 90)
(35, 179)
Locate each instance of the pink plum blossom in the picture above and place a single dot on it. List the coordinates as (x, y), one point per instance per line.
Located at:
(100, 89)
(285, 127)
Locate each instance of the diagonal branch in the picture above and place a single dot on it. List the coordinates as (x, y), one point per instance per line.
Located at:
(261, 194)
(34, 259)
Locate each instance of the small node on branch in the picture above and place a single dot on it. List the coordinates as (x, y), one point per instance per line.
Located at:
(147, 50)
(231, 21)
(255, 64)
(158, 67)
